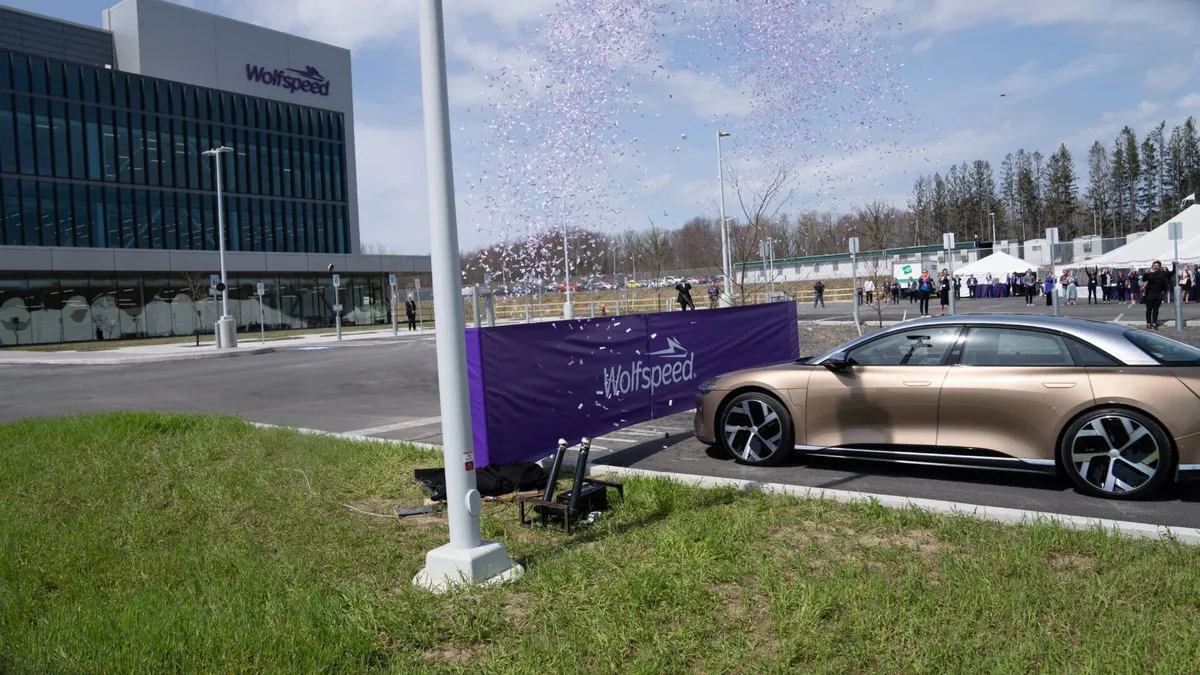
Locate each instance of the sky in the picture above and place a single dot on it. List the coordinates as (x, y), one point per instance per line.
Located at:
(1070, 71)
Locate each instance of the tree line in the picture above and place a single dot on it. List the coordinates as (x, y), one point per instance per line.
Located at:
(1131, 186)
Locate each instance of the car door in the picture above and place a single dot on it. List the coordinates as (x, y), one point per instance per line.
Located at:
(886, 396)
(1010, 391)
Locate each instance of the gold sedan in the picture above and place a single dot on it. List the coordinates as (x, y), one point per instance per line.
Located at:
(1116, 410)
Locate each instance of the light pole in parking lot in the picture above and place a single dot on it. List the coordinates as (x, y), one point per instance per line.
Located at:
(1051, 243)
(467, 558)
(948, 244)
(727, 292)
(226, 328)
(568, 306)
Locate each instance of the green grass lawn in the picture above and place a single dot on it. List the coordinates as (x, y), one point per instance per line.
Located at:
(170, 543)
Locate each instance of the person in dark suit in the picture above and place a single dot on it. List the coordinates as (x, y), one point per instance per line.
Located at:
(1155, 284)
(410, 310)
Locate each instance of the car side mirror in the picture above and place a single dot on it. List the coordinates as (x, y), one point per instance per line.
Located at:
(838, 361)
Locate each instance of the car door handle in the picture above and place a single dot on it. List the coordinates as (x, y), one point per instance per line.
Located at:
(917, 383)
(1058, 385)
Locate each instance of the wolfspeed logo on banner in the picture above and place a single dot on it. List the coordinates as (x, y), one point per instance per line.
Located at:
(309, 79)
(680, 367)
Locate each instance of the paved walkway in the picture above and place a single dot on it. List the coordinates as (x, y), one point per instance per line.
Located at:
(188, 351)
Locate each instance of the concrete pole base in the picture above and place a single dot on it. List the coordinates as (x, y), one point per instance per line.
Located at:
(449, 568)
(568, 310)
(226, 333)
(727, 300)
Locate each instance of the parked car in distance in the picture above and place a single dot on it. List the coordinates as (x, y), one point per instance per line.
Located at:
(1112, 408)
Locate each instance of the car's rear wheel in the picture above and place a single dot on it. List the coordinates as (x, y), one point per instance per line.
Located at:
(756, 428)
(1117, 453)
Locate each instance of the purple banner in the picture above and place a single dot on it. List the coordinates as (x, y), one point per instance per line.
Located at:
(532, 384)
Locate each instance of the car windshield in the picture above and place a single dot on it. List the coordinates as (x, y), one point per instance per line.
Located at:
(1166, 351)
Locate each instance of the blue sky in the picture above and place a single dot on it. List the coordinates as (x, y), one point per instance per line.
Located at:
(1072, 71)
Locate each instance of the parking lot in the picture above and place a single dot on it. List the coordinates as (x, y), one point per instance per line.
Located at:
(387, 388)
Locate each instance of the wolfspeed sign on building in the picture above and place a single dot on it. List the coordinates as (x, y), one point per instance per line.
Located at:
(309, 79)
(532, 384)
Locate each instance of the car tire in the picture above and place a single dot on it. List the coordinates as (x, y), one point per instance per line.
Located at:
(751, 424)
(1116, 453)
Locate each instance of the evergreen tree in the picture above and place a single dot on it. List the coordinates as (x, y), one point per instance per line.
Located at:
(1099, 191)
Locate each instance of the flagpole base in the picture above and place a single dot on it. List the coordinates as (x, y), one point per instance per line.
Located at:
(448, 569)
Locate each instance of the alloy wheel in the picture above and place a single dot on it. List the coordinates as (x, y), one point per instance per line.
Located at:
(753, 429)
(1116, 454)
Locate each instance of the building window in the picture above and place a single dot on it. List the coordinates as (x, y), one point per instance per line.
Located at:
(170, 233)
(48, 217)
(66, 216)
(29, 213)
(11, 213)
(96, 209)
(37, 76)
(41, 137)
(78, 168)
(112, 218)
(82, 226)
(8, 132)
(25, 148)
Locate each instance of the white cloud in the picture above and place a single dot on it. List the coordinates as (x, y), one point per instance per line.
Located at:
(923, 46)
(1192, 100)
(944, 16)
(355, 23)
(392, 195)
(1027, 82)
(708, 94)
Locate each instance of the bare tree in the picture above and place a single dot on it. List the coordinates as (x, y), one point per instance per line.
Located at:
(196, 286)
(876, 227)
(375, 248)
(760, 203)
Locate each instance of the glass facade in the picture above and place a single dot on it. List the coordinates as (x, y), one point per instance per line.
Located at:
(38, 309)
(91, 157)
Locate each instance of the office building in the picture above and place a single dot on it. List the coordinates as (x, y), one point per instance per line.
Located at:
(108, 206)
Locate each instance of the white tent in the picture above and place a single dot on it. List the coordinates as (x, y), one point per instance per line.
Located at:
(1156, 245)
(998, 264)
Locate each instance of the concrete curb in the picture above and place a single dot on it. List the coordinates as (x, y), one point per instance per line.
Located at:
(127, 360)
(999, 514)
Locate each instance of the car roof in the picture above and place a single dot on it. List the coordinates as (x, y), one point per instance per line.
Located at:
(1106, 336)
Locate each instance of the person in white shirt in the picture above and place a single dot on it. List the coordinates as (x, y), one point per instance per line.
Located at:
(869, 290)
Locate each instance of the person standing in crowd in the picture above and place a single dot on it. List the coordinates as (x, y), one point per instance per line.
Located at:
(410, 311)
(1072, 288)
(1155, 284)
(988, 286)
(972, 286)
(925, 286)
(818, 294)
(714, 292)
(895, 292)
(1093, 282)
(1185, 282)
(684, 289)
(1135, 287)
(944, 286)
(869, 290)
(858, 294)
(1119, 287)
(1029, 285)
(1106, 285)
(1048, 285)
(912, 290)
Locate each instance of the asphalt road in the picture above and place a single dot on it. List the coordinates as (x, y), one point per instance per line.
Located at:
(388, 388)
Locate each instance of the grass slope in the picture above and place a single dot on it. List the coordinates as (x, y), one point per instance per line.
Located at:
(168, 543)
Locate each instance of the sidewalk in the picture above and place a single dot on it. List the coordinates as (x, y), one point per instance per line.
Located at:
(248, 345)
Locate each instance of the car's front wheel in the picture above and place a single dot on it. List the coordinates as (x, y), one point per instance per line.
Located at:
(1117, 453)
(756, 428)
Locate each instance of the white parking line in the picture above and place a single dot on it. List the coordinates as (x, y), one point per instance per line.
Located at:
(407, 424)
(1118, 319)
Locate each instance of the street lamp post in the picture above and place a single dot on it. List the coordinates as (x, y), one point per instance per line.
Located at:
(466, 559)
(726, 295)
(226, 328)
(568, 306)
(993, 217)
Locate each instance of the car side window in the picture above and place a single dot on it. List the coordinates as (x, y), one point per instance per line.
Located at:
(1015, 347)
(923, 346)
(1086, 355)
